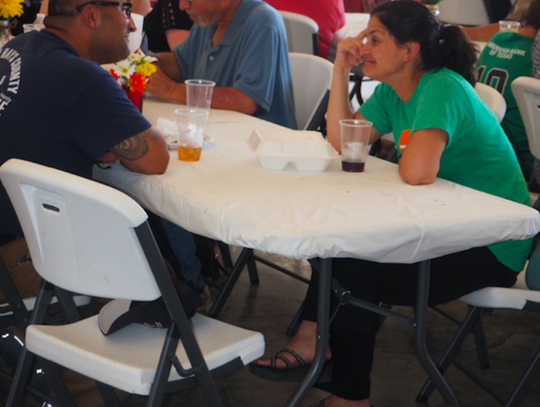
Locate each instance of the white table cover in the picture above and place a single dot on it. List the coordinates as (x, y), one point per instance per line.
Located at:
(372, 215)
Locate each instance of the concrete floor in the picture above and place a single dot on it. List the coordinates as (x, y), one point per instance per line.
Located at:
(512, 337)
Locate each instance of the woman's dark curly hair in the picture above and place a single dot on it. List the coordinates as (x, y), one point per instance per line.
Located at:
(440, 46)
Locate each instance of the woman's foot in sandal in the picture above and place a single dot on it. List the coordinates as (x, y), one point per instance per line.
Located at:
(292, 363)
(299, 351)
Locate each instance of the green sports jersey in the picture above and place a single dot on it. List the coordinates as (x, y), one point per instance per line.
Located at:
(507, 56)
(478, 153)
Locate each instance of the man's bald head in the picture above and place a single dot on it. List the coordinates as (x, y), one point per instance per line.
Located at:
(97, 30)
(64, 7)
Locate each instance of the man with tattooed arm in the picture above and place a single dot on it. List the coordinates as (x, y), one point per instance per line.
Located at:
(59, 108)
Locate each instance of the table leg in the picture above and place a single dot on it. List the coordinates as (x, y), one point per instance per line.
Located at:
(422, 296)
(323, 328)
(241, 262)
(420, 324)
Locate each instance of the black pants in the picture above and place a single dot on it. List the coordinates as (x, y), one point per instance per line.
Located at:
(353, 332)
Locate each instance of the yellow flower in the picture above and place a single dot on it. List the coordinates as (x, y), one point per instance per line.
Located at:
(132, 73)
(10, 8)
(146, 69)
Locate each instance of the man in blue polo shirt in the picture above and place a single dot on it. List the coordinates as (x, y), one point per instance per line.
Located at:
(242, 46)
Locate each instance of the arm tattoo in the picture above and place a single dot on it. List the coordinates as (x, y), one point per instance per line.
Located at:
(134, 147)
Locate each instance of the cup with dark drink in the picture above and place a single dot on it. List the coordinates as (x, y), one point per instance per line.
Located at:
(354, 144)
(190, 124)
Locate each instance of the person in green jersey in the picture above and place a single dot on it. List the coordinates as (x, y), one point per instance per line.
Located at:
(484, 32)
(507, 56)
(427, 100)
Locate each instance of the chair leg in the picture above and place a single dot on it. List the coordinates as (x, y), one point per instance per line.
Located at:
(252, 270)
(69, 308)
(108, 394)
(57, 383)
(21, 314)
(357, 89)
(26, 358)
(525, 382)
(157, 391)
(199, 367)
(480, 342)
(471, 318)
(20, 378)
(241, 262)
(225, 256)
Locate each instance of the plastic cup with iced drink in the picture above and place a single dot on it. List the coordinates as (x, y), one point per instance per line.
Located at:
(354, 144)
(199, 93)
(512, 26)
(190, 124)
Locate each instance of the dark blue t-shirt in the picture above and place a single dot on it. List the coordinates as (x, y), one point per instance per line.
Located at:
(57, 109)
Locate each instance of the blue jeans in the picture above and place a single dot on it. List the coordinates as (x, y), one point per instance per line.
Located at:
(184, 249)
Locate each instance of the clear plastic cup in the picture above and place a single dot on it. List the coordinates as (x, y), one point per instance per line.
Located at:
(190, 124)
(354, 144)
(28, 27)
(199, 93)
(509, 25)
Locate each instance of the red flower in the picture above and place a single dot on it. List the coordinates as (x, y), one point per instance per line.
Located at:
(137, 82)
(115, 76)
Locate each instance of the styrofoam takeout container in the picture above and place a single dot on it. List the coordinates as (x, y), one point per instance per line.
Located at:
(304, 150)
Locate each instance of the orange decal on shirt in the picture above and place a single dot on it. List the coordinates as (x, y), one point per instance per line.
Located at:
(404, 139)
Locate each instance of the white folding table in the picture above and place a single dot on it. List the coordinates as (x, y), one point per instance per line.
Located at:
(372, 215)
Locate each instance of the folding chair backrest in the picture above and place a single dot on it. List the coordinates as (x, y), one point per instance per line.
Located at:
(81, 234)
(493, 99)
(532, 272)
(464, 12)
(311, 80)
(135, 37)
(302, 33)
(527, 94)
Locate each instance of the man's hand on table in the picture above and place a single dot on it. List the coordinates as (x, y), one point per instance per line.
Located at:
(163, 87)
(107, 158)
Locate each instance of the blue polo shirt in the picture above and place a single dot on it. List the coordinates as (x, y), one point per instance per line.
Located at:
(251, 56)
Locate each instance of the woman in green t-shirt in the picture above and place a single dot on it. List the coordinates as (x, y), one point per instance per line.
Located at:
(506, 57)
(427, 100)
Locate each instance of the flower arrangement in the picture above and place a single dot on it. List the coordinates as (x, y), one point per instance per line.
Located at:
(10, 9)
(133, 73)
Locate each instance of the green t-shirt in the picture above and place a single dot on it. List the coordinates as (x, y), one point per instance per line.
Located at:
(478, 153)
(507, 56)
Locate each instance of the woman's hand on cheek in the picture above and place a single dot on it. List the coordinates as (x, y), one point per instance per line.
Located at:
(348, 52)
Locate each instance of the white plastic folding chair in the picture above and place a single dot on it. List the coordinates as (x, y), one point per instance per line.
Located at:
(135, 37)
(527, 94)
(523, 296)
(464, 12)
(89, 238)
(302, 33)
(493, 99)
(311, 80)
(526, 91)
